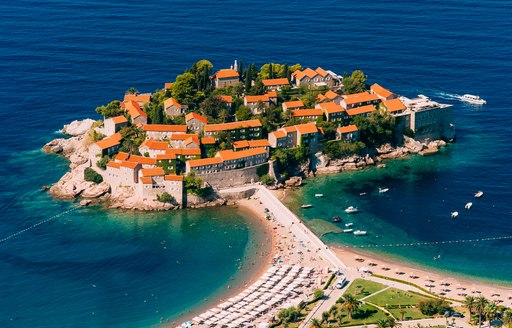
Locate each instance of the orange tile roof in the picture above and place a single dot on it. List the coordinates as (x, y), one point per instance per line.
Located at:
(251, 143)
(146, 180)
(321, 97)
(377, 89)
(289, 129)
(359, 98)
(171, 102)
(167, 85)
(306, 128)
(121, 156)
(330, 107)
(361, 110)
(131, 165)
(208, 141)
(279, 134)
(184, 151)
(226, 99)
(155, 145)
(321, 71)
(229, 155)
(109, 142)
(331, 94)
(142, 98)
(114, 164)
(164, 157)
(241, 144)
(119, 119)
(253, 99)
(226, 74)
(133, 109)
(272, 94)
(307, 112)
(198, 117)
(394, 105)
(347, 129)
(232, 125)
(293, 104)
(164, 128)
(157, 171)
(142, 160)
(204, 161)
(193, 137)
(173, 177)
(275, 82)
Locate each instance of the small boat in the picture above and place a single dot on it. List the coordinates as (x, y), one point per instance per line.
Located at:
(454, 214)
(362, 193)
(336, 219)
(351, 209)
(479, 194)
(306, 206)
(468, 205)
(349, 224)
(348, 230)
(383, 190)
(473, 99)
(359, 233)
(319, 195)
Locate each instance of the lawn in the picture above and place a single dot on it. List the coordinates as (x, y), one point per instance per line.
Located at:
(366, 288)
(367, 314)
(393, 296)
(411, 313)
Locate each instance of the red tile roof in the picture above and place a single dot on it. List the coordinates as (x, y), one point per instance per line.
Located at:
(377, 89)
(157, 171)
(140, 98)
(171, 102)
(251, 143)
(164, 128)
(226, 74)
(208, 140)
(121, 156)
(307, 112)
(131, 165)
(347, 129)
(114, 164)
(184, 151)
(173, 177)
(360, 98)
(226, 99)
(112, 141)
(133, 109)
(167, 85)
(253, 99)
(275, 82)
(178, 137)
(394, 105)
(119, 119)
(166, 156)
(330, 107)
(279, 134)
(293, 104)
(306, 128)
(142, 160)
(361, 110)
(229, 155)
(232, 126)
(146, 180)
(155, 145)
(204, 161)
(196, 116)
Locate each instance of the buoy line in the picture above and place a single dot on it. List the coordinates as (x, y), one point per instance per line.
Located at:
(430, 242)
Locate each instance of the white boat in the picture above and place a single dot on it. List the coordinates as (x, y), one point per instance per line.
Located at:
(468, 205)
(306, 206)
(351, 209)
(454, 214)
(473, 99)
(383, 190)
(319, 195)
(479, 194)
(349, 224)
(359, 233)
(348, 230)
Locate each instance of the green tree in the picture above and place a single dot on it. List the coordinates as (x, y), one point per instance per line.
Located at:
(469, 303)
(507, 318)
(157, 116)
(102, 163)
(382, 323)
(270, 71)
(315, 323)
(267, 180)
(248, 79)
(243, 113)
(258, 88)
(93, 176)
(291, 314)
(350, 304)
(333, 311)
(240, 71)
(286, 72)
(212, 106)
(354, 83)
(480, 304)
(325, 316)
(490, 311)
(184, 85)
(318, 294)
(165, 197)
(112, 109)
(132, 91)
(132, 138)
(377, 129)
(337, 149)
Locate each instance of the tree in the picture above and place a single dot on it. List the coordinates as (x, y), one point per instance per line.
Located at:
(480, 304)
(157, 116)
(350, 303)
(402, 314)
(132, 91)
(469, 303)
(392, 323)
(433, 306)
(240, 70)
(318, 294)
(290, 314)
(354, 83)
(490, 311)
(315, 323)
(165, 197)
(267, 180)
(382, 323)
(270, 71)
(507, 318)
(377, 129)
(286, 72)
(102, 163)
(333, 311)
(184, 85)
(132, 138)
(325, 316)
(112, 109)
(337, 149)
(93, 176)
(243, 113)
(340, 318)
(212, 106)
(248, 79)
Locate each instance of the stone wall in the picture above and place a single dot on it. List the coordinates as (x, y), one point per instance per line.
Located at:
(231, 178)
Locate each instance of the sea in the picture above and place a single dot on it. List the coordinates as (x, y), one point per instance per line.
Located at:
(64, 266)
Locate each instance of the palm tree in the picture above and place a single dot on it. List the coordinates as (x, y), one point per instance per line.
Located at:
(340, 318)
(507, 318)
(132, 91)
(351, 304)
(490, 311)
(402, 313)
(382, 323)
(325, 316)
(315, 323)
(469, 303)
(333, 311)
(480, 305)
(392, 323)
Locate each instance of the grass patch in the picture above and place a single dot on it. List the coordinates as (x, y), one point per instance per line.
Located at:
(393, 296)
(366, 315)
(366, 287)
(411, 313)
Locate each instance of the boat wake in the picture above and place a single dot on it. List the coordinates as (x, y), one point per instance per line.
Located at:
(448, 96)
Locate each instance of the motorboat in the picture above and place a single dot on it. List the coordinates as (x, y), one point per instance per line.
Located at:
(454, 214)
(362, 193)
(306, 206)
(348, 230)
(468, 205)
(351, 209)
(479, 194)
(349, 224)
(359, 233)
(319, 195)
(383, 190)
(473, 99)
(336, 219)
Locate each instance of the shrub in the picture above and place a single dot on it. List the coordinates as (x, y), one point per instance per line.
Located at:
(434, 306)
(165, 197)
(267, 180)
(102, 163)
(262, 170)
(318, 294)
(339, 149)
(93, 176)
(291, 314)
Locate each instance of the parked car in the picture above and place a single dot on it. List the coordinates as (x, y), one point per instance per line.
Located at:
(341, 282)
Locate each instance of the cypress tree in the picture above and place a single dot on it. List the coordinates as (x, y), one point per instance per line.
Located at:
(286, 71)
(240, 71)
(270, 71)
(248, 79)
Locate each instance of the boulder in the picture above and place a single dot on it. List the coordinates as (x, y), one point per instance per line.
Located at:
(85, 202)
(413, 146)
(381, 166)
(54, 146)
(369, 160)
(71, 184)
(78, 128)
(96, 190)
(384, 149)
(429, 151)
(293, 182)
(328, 170)
(349, 166)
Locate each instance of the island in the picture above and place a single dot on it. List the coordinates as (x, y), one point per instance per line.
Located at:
(210, 130)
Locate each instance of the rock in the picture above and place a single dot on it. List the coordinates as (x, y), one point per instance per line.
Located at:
(369, 160)
(78, 128)
(441, 143)
(54, 146)
(71, 184)
(360, 164)
(44, 188)
(349, 166)
(96, 190)
(293, 182)
(85, 202)
(78, 158)
(429, 151)
(384, 149)
(412, 145)
(328, 170)
(381, 166)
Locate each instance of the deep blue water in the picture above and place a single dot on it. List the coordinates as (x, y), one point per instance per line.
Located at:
(61, 59)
